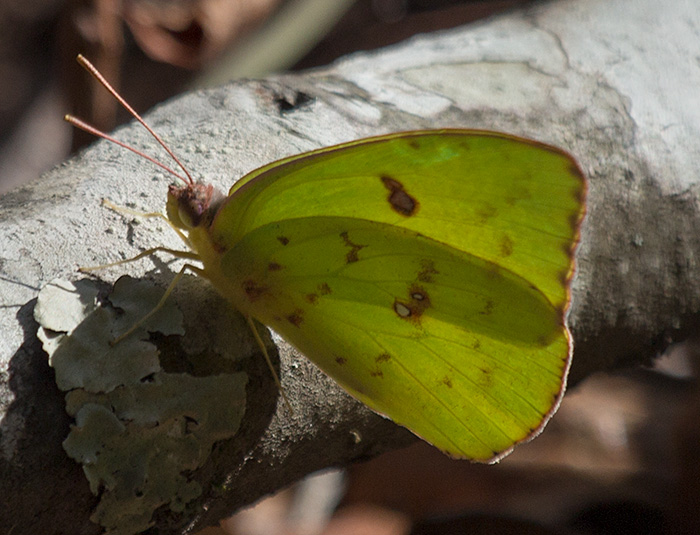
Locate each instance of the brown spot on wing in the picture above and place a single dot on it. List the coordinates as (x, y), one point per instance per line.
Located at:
(412, 308)
(427, 270)
(296, 318)
(311, 298)
(352, 255)
(447, 381)
(253, 290)
(563, 277)
(493, 271)
(219, 246)
(574, 222)
(488, 308)
(574, 169)
(274, 266)
(399, 199)
(324, 289)
(341, 360)
(579, 192)
(380, 360)
(506, 246)
(568, 249)
(486, 378)
(542, 341)
(485, 212)
(517, 194)
(283, 240)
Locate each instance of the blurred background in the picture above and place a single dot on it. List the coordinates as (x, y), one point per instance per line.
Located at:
(622, 454)
(151, 50)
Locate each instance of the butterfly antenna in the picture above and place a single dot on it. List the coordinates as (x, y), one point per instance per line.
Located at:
(78, 123)
(84, 126)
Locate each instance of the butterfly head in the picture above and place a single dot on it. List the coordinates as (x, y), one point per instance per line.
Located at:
(193, 205)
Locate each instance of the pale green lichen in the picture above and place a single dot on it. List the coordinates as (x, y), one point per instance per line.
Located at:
(139, 430)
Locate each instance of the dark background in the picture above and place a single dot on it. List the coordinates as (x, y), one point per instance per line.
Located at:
(152, 50)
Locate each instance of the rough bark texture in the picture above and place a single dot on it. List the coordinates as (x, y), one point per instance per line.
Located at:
(612, 81)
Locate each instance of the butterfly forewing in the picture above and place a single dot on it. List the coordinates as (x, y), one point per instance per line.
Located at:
(510, 201)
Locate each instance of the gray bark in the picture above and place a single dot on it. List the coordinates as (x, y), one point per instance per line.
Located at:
(614, 82)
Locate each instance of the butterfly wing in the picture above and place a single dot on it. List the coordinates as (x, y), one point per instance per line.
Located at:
(511, 201)
(427, 272)
(466, 354)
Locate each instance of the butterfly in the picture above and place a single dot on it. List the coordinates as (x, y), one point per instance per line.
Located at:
(427, 272)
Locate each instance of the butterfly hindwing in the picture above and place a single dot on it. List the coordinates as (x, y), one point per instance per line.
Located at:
(437, 339)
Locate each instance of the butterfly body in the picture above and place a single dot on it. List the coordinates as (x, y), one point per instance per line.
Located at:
(427, 272)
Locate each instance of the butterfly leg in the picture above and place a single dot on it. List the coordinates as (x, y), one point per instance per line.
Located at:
(177, 254)
(261, 344)
(148, 252)
(160, 304)
(136, 213)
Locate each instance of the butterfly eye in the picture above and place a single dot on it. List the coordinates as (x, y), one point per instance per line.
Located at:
(185, 218)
